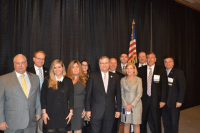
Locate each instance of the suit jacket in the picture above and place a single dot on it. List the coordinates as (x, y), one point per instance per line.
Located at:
(158, 89)
(137, 65)
(120, 75)
(45, 71)
(15, 109)
(119, 69)
(98, 101)
(176, 91)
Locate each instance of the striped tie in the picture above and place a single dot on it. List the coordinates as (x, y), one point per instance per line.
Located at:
(40, 77)
(24, 86)
(149, 82)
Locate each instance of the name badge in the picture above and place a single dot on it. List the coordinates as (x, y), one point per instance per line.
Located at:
(156, 78)
(170, 81)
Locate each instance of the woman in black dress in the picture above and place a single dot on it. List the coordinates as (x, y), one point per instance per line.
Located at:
(57, 99)
(75, 72)
(86, 69)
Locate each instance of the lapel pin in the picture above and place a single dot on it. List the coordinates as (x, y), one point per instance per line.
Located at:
(45, 71)
(111, 76)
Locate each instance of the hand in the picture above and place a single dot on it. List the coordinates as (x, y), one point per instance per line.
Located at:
(45, 117)
(3, 126)
(162, 104)
(88, 114)
(128, 107)
(178, 104)
(38, 117)
(83, 114)
(117, 114)
(69, 117)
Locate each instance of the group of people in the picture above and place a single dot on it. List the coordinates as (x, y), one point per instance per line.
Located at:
(60, 100)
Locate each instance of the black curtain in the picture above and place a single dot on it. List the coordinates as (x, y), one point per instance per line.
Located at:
(87, 29)
(176, 32)
(69, 30)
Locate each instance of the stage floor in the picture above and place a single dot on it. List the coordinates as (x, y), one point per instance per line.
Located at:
(189, 121)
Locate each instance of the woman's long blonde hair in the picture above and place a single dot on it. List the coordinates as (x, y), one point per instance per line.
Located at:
(52, 79)
(82, 76)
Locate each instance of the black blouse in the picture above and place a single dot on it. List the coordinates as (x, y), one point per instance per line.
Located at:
(57, 103)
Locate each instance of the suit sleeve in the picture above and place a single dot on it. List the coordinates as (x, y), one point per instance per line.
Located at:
(43, 97)
(139, 94)
(38, 103)
(2, 100)
(71, 95)
(182, 87)
(118, 95)
(88, 93)
(164, 84)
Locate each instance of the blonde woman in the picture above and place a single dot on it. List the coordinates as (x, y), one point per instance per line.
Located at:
(131, 90)
(75, 72)
(57, 99)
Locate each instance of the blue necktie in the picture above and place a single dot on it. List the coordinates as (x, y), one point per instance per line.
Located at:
(40, 77)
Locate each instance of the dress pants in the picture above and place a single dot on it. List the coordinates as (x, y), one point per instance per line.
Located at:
(155, 113)
(40, 126)
(116, 125)
(170, 119)
(102, 125)
(26, 130)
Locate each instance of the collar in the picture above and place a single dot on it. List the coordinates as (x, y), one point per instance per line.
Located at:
(59, 80)
(19, 75)
(140, 64)
(102, 73)
(169, 71)
(123, 65)
(153, 66)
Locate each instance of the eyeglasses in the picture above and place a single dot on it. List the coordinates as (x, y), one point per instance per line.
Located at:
(40, 58)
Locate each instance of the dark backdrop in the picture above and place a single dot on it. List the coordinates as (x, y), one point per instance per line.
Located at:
(88, 29)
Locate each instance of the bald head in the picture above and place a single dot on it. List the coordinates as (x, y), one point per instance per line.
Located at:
(113, 64)
(20, 63)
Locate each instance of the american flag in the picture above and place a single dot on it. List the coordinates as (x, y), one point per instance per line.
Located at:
(132, 47)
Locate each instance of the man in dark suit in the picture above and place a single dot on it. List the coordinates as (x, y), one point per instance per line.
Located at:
(124, 60)
(176, 94)
(42, 72)
(101, 90)
(113, 66)
(19, 99)
(142, 58)
(154, 82)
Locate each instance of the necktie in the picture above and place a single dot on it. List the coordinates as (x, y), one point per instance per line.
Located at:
(123, 69)
(149, 82)
(167, 72)
(105, 82)
(24, 86)
(40, 77)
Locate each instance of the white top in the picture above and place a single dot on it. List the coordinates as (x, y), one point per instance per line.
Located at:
(28, 84)
(37, 71)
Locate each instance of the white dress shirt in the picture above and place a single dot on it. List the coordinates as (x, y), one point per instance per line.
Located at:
(140, 64)
(152, 68)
